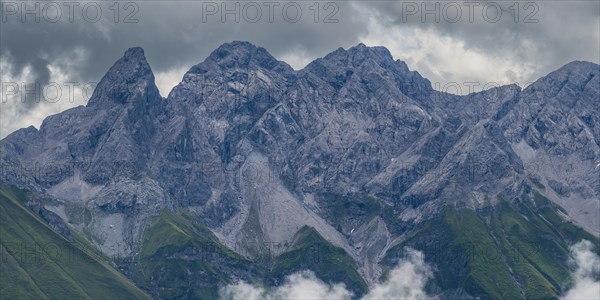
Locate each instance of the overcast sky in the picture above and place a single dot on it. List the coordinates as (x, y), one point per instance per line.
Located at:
(448, 41)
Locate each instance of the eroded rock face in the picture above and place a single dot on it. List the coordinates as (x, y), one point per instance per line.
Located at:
(257, 150)
(96, 159)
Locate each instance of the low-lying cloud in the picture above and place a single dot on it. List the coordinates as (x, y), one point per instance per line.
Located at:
(406, 281)
(302, 285)
(586, 277)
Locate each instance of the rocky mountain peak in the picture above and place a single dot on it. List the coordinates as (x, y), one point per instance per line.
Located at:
(579, 65)
(241, 54)
(135, 54)
(353, 57)
(234, 71)
(379, 53)
(129, 80)
(577, 74)
(338, 66)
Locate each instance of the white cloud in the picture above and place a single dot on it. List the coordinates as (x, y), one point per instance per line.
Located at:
(302, 285)
(297, 59)
(242, 290)
(8, 99)
(63, 91)
(586, 276)
(166, 81)
(445, 60)
(406, 281)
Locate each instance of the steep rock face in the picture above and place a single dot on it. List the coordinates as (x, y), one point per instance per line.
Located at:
(349, 117)
(355, 145)
(554, 130)
(211, 111)
(94, 159)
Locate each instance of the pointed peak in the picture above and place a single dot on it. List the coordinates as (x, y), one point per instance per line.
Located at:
(577, 74)
(235, 48)
(373, 49)
(238, 44)
(134, 53)
(580, 65)
(240, 54)
(133, 62)
(353, 57)
(380, 51)
(124, 80)
(576, 67)
(360, 53)
(336, 67)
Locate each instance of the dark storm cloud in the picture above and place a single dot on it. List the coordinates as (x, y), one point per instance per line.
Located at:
(179, 34)
(172, 33)
(562, 31)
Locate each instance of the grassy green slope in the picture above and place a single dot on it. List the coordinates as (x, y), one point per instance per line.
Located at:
(512, 251)
(181, 259)
(310, 251)
(38, 263)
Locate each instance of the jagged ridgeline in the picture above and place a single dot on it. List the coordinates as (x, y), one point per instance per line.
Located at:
(249, 170)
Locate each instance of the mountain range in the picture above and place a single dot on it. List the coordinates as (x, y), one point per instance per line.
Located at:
(250, 170)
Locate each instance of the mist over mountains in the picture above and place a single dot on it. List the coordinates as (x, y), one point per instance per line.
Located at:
(250, 171)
